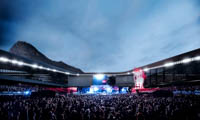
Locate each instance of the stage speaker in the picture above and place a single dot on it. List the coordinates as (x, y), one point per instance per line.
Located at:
(111, 81)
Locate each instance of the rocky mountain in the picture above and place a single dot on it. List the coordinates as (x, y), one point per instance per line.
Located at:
(27, 50)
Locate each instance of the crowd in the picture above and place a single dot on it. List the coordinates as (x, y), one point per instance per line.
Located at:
(100, 107)
(20, 87)
(182, 88)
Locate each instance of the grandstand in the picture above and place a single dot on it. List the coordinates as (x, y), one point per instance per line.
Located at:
(167, 89)
(184, 70)
(157, 74)
(14, 68)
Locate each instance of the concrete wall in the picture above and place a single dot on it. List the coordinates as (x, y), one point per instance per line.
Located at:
(84, 81)
(80, 81)
(124, 80)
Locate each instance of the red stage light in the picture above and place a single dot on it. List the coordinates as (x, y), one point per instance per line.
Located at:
(104, 81)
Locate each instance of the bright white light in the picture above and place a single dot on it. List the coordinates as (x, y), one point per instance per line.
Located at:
(34, 66)
(109, 89)
(40, 67)
(187, 60)
(91, 90)
(197, 58)
(77, 74)
(146, 69)
(14, 61)
(169, 64)
(48, 69)
(99, 76)
(20, 63)
(27, 92)
(3, 59)
(128, 73)
(67, 73)
(123, 90)
(96, 88)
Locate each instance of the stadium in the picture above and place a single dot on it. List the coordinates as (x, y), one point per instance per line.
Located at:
(32, 81)
(100, 60)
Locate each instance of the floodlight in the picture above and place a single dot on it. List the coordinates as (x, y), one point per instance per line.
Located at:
(187, 60)
(48, 69)
(40, 67)
(146, 69)
(34, 66)
(197, 58)
(3, 59)
(20, 63)
(14, 61)
(169, 64)
(67, 73)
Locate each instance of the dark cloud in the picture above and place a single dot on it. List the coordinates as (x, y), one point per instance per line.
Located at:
(13, 13)
(101, 35)
(6, 16)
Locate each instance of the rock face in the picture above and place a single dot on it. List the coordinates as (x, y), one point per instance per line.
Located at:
(27, 50)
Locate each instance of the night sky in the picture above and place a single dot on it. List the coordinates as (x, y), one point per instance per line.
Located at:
(102, 35)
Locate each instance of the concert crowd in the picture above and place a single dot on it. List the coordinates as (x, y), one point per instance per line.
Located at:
(100, 107)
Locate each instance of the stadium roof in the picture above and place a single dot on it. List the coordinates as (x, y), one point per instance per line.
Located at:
(179, 57)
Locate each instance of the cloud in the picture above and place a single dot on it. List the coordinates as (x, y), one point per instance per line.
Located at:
(170, 28)
(105, 35)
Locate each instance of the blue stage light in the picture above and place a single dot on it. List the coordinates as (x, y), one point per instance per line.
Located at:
(109, 89)
(96, 88)
(124, 90)
(27, 92)
(91, 91)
